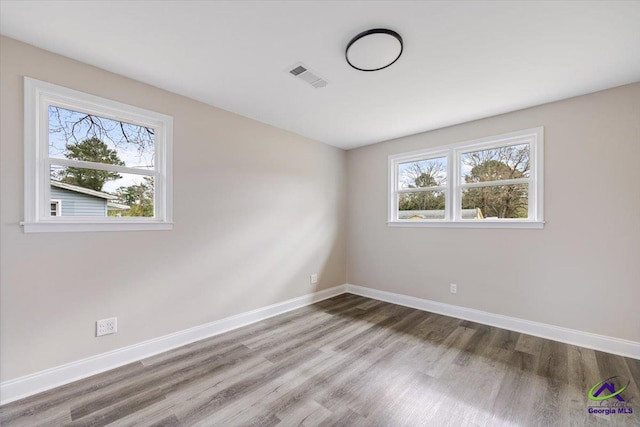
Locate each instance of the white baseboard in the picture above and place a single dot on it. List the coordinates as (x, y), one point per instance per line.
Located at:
(44, 380)
(570, 336)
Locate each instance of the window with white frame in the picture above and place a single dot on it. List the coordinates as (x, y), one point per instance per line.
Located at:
(110, 163)
(56, 208)
(491, 182)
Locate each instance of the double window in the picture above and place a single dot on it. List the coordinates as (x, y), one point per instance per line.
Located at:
(92, 164)
(492, 182)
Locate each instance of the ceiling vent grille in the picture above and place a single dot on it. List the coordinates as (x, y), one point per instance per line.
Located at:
(302, 72)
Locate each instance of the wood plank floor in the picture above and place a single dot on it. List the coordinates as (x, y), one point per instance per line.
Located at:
(346, 361)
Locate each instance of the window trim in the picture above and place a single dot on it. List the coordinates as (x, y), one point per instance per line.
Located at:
(38, 95)
(534, 137)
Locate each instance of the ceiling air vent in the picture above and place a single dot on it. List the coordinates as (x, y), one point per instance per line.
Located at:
(303, 73)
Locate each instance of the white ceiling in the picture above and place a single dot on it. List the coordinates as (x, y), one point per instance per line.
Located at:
(462, 60)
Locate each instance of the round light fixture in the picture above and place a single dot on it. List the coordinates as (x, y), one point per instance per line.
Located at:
(373, 50)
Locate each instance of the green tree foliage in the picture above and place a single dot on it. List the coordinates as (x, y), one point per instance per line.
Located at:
(139, 197)
(90, 150)
(425, 180)
(502, 201)
(425, 200)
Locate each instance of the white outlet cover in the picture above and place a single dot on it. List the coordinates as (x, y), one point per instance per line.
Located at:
(453, 288)
(106, 326)
(314, 278)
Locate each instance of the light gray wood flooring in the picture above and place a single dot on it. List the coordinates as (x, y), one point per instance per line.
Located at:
(346, 361)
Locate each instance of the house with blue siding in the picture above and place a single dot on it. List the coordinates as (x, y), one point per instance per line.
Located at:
(72, 200)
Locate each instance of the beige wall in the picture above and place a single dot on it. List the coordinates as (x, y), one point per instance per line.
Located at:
(257, 210)
(581, 272)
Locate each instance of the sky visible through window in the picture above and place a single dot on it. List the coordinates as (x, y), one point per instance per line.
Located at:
(127, 144)
(433, 172)
(514, 157)
(418, 177)
(423, 173)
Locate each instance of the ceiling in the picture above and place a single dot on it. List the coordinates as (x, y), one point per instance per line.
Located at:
(462, 60)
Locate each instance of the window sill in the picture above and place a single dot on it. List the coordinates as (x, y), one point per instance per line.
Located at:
(60, 227)
(469, 224)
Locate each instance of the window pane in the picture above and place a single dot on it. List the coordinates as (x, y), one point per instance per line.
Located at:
(423, 173)
(90, 192)
(421, 205)
(91, 138)
(495, 201)
(495, 164)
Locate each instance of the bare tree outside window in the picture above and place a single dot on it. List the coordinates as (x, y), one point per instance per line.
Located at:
(422, 174)
(72, 127)
(495, 165)
(91, 138)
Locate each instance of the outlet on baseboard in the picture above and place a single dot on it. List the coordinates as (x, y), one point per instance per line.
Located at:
(453, 288)
(314, 279)
(106, 326)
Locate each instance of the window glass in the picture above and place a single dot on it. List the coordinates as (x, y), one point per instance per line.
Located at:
(495, 164)
(495, 181)
(421, 205)
(497, 201)
(423, 173)
(94, 164)
(92, 138)
(93, 192)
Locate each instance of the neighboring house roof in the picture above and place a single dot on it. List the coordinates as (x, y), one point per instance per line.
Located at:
(77, 189)
(437, 214)
(112, 206)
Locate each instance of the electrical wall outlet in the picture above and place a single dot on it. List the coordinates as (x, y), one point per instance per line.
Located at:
(314, 279)
(453, 288)
(106, 326)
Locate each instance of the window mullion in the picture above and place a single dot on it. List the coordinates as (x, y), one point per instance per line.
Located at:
(455, 184)
(531, 139)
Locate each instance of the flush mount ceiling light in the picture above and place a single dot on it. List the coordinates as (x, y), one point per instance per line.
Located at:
(373, 50)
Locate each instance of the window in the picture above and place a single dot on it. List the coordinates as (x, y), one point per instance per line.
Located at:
(108, 163)
(492, 182)
(56, 209)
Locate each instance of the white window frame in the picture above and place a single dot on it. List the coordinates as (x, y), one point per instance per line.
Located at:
(58, 204)
(454, 186)
(38, 96)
